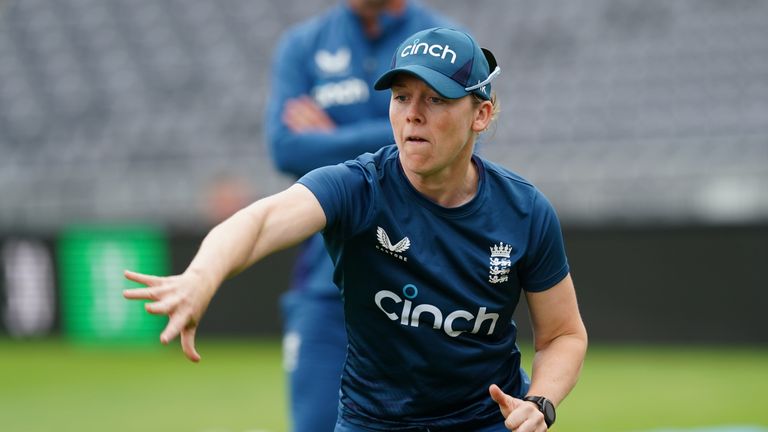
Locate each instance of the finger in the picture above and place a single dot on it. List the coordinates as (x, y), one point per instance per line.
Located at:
(141, 277)
(524, 425)
(151, 293)
(514, 422)
(163, 307)
(506, 403)
(315, 116)
(319, 118)
(293, 114)
(175, 324)
(303, 114)
(188, 343)
(526, 417)
(294, 121)
(143, 293)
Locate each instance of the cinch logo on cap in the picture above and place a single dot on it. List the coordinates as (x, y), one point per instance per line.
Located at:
(449, 61)
(435, 50)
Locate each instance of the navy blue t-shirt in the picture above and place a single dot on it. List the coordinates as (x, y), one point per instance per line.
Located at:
(429, 291)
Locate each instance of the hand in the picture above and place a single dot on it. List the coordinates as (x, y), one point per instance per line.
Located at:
(519, 415)
(184, 298)
(302, 114)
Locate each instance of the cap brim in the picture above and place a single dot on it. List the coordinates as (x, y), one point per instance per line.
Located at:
(443, 85)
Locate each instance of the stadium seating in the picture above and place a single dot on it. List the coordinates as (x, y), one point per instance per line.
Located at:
(622, 111)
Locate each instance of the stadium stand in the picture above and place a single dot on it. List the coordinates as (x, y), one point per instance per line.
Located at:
(622, 111)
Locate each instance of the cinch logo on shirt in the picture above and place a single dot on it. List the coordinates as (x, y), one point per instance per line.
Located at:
(435, 50)
(387, 301)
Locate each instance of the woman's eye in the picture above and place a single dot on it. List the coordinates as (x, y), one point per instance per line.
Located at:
(436, 100)
(399, 98)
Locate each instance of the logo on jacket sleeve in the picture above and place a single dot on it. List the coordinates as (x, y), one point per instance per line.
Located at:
(500, 264)
(386, 246)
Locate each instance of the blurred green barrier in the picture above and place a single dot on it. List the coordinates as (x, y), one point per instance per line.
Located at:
(91, 261)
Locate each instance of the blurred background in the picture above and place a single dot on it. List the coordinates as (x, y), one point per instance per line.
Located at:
(128, 128)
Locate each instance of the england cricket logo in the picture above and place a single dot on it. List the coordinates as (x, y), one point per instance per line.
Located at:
(500, 263)
(386, 246)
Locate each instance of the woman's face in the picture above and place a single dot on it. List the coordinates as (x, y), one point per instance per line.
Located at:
(434, 135)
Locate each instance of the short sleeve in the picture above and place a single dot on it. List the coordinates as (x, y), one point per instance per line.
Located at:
(345, 192)
(545, 263)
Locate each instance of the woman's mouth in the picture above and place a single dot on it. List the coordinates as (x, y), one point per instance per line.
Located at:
(415, 139)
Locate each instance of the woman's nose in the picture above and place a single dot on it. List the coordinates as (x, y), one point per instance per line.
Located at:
(415, 113)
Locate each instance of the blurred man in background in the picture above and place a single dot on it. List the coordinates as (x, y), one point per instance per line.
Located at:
(323, 111)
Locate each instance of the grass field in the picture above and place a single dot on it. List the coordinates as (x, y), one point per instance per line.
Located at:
(238, 387)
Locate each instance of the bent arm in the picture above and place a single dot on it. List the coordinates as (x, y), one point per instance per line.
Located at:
(298, 153)
(560, 341)
(298, 150)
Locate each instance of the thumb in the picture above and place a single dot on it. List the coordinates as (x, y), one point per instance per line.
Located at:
(506, 402)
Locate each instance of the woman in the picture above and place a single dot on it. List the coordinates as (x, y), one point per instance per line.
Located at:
(432, 247)
(323, 110)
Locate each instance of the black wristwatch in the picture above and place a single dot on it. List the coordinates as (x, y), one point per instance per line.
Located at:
(545, 406)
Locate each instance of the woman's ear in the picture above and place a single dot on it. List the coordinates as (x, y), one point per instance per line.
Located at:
(483, 116)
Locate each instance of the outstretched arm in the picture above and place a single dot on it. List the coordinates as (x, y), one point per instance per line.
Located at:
(264, 227)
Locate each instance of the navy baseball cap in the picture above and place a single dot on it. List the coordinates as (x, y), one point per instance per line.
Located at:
(448, 60)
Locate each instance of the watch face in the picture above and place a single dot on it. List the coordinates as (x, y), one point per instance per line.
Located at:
(549, 412)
